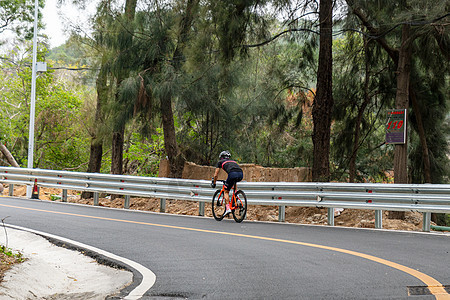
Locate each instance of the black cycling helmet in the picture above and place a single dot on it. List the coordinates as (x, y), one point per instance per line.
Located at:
(224, 154)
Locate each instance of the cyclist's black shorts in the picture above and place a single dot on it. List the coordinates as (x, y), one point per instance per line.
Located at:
(233, 177)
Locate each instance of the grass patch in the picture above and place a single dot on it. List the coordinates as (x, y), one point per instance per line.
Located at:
(10, 253)
(8, 258)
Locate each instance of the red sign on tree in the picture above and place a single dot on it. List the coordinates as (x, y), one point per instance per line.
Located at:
(396, 127)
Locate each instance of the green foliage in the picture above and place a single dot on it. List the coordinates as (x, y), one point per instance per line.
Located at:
(432, 96)
(11, 253)
(277, 123)
(18, 16)
(362, 85)
(75, 60)
(242, 106)
(142, 155)
(60, 137)
(72, 52)
(55, 197)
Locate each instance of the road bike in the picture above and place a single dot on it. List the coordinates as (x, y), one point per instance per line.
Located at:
(238, 204)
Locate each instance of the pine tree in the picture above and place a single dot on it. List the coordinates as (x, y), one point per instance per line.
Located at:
(156, 58)
(323, 102)
(125, 35)
(406, 22)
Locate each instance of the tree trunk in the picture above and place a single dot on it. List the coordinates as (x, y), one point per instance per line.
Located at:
(176, 162)
(130, 10)
(9, 157)
(323, 101)
(95, 160)
(117, 155)
(117, 152)
(402, 102)
(95, 163)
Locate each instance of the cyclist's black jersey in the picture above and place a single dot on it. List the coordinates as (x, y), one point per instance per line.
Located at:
(228, 165)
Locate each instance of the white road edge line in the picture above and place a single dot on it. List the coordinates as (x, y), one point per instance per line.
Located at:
(148, 277)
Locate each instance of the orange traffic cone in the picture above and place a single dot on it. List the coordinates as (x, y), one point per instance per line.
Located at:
(35, 193)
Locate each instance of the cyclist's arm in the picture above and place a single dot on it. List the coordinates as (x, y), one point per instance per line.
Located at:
(216, 174)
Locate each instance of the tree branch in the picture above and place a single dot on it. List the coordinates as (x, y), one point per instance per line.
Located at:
(392, 52)
(278, 35)
(11, 160)
(443, 41)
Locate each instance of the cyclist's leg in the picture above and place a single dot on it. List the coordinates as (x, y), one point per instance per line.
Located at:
(226, 196)
(239, 177)
(233, 177)
(229, 183)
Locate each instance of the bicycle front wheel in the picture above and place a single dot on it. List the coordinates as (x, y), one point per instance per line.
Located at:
(241, 207)
(218, 205)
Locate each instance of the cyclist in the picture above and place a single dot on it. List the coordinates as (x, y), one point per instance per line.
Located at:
(234, 172)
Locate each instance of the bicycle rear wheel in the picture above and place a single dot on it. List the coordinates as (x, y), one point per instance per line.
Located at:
(218, 205)
(241, 207)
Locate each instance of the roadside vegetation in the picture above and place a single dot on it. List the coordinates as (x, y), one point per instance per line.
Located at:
(8, 257)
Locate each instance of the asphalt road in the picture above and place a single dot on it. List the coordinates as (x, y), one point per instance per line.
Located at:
(200, 258)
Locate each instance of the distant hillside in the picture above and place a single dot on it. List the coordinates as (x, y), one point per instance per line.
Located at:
(72, 52)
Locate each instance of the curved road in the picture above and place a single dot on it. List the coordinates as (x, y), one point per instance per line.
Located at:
(199, 258)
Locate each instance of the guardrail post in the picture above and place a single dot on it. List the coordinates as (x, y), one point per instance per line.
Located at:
(162, 207)
(11, 190)
(96, 196)
(426, 222)
(281, 213)
(201, 209)
(378, 219)
(127, 202)
(330, 216)
(64, 195)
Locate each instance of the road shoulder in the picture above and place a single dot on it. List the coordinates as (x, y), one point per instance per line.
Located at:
(53, 272)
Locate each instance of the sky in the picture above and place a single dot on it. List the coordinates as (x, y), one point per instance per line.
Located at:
(53, 24)
(56, 20)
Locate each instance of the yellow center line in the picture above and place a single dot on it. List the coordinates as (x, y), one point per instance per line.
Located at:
(435, 287)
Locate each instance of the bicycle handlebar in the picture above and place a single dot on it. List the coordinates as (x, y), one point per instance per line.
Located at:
(223, 182)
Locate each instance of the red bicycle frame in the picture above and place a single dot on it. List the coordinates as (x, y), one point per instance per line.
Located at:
(233, 202)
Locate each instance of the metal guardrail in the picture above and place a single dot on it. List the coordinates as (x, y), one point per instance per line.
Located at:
(424, 198)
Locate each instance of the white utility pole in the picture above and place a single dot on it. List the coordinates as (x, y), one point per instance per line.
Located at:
(33, 96)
